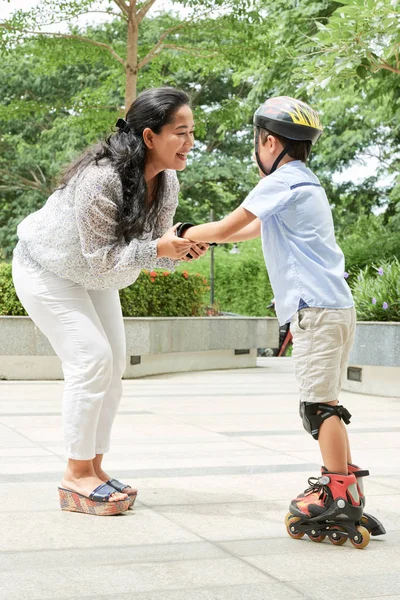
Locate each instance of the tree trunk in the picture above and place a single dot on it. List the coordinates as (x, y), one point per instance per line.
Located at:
(131, 60)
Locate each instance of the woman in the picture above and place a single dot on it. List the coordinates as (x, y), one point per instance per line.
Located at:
(111, 217)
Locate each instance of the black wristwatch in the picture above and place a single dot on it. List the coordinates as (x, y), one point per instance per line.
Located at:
(181, 230)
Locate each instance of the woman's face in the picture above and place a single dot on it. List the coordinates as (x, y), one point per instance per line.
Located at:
(169, 148)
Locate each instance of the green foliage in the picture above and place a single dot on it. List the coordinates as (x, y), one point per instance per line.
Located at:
(376, 292)
(242, 285)
(165, 294)
(154, 294)
(9, 303)
(241, 280)
(368, 240)
(360, 38)
(60, 95)
(360, 115)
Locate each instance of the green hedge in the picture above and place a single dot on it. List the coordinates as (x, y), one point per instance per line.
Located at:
(242, 285)
(154, 294)
(241, 281)
(165, 294)
(9, 303)
(376, 291)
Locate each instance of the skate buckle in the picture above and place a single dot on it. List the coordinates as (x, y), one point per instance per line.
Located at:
(324, 480)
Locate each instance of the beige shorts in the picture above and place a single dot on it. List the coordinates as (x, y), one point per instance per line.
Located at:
(322, 340)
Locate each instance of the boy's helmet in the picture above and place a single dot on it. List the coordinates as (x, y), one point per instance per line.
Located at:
(290, 118)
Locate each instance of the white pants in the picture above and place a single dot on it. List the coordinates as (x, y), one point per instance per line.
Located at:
(86, 331)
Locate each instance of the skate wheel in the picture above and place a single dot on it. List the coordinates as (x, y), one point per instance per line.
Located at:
(337, 539)
(290, 521)
(317, 538)
(288, 518)
(362, 536)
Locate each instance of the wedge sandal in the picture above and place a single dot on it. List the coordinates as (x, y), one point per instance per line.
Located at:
(98, 502)
(120, 487)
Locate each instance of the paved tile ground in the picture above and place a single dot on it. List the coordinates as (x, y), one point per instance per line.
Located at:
(217, 457)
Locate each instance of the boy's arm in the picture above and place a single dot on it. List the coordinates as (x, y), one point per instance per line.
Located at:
(221, 231)
(250, 232)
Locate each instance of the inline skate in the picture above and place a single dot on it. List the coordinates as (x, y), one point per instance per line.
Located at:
(331, 507)
(373, 525)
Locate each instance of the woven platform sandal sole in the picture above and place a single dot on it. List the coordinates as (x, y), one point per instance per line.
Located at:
(132, 499)
(74, 502)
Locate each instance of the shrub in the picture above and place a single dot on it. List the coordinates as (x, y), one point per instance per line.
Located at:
(9, 303)
(154, 294)
(165, 294)
(369, 241)
(376, 292)
(241, 280)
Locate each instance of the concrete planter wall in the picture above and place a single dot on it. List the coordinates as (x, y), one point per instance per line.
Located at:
(154, 345)
(374, 366)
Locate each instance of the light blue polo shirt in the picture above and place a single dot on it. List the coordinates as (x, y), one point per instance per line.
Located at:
(303, 259)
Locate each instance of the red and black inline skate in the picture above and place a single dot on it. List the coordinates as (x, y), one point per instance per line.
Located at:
(373, 525)
(331, 507)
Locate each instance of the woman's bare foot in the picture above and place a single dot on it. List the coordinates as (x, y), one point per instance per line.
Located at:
(104, 478)
(85, 484)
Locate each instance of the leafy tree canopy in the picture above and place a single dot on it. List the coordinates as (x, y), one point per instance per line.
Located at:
(61, 93)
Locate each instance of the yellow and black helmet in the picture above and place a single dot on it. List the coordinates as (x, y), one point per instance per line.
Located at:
(290, 118)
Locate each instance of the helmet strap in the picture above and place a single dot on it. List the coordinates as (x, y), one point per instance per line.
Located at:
(257, 140)
(277, 161)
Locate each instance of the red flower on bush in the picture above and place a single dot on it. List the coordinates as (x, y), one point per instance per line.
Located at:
(153, 274)
(185, 274)
(166, 273)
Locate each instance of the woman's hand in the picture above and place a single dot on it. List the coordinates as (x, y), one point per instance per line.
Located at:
(171, 246)
(197, 250)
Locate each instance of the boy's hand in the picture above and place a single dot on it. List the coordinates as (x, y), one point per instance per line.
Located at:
(196, 251)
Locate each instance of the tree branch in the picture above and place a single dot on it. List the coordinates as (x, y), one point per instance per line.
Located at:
(87, 12)
(144, 10)
(192, 51)
(159, 45)
(132, 9)
(80, 38)
(121, 4)
(22, 181)
(384, 65)
(157, 49)
(146, 59)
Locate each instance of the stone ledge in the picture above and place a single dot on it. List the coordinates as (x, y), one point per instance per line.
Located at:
(375, 360)
(154, 345)
(376, 344)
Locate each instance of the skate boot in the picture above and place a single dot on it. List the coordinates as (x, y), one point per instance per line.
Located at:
(373, 525)
(330, 507)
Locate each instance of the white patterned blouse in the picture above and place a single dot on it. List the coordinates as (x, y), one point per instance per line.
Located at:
(74, 233)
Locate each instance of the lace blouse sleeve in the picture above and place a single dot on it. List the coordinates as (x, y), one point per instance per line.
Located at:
(166, 216)
(97, 195)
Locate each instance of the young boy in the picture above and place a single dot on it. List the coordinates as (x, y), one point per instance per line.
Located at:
(291, 212)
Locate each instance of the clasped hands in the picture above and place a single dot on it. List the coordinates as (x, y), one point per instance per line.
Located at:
(171, 246)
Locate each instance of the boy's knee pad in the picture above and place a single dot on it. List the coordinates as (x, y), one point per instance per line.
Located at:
(313, 421)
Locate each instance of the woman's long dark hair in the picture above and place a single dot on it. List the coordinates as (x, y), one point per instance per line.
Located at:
(153, 108)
